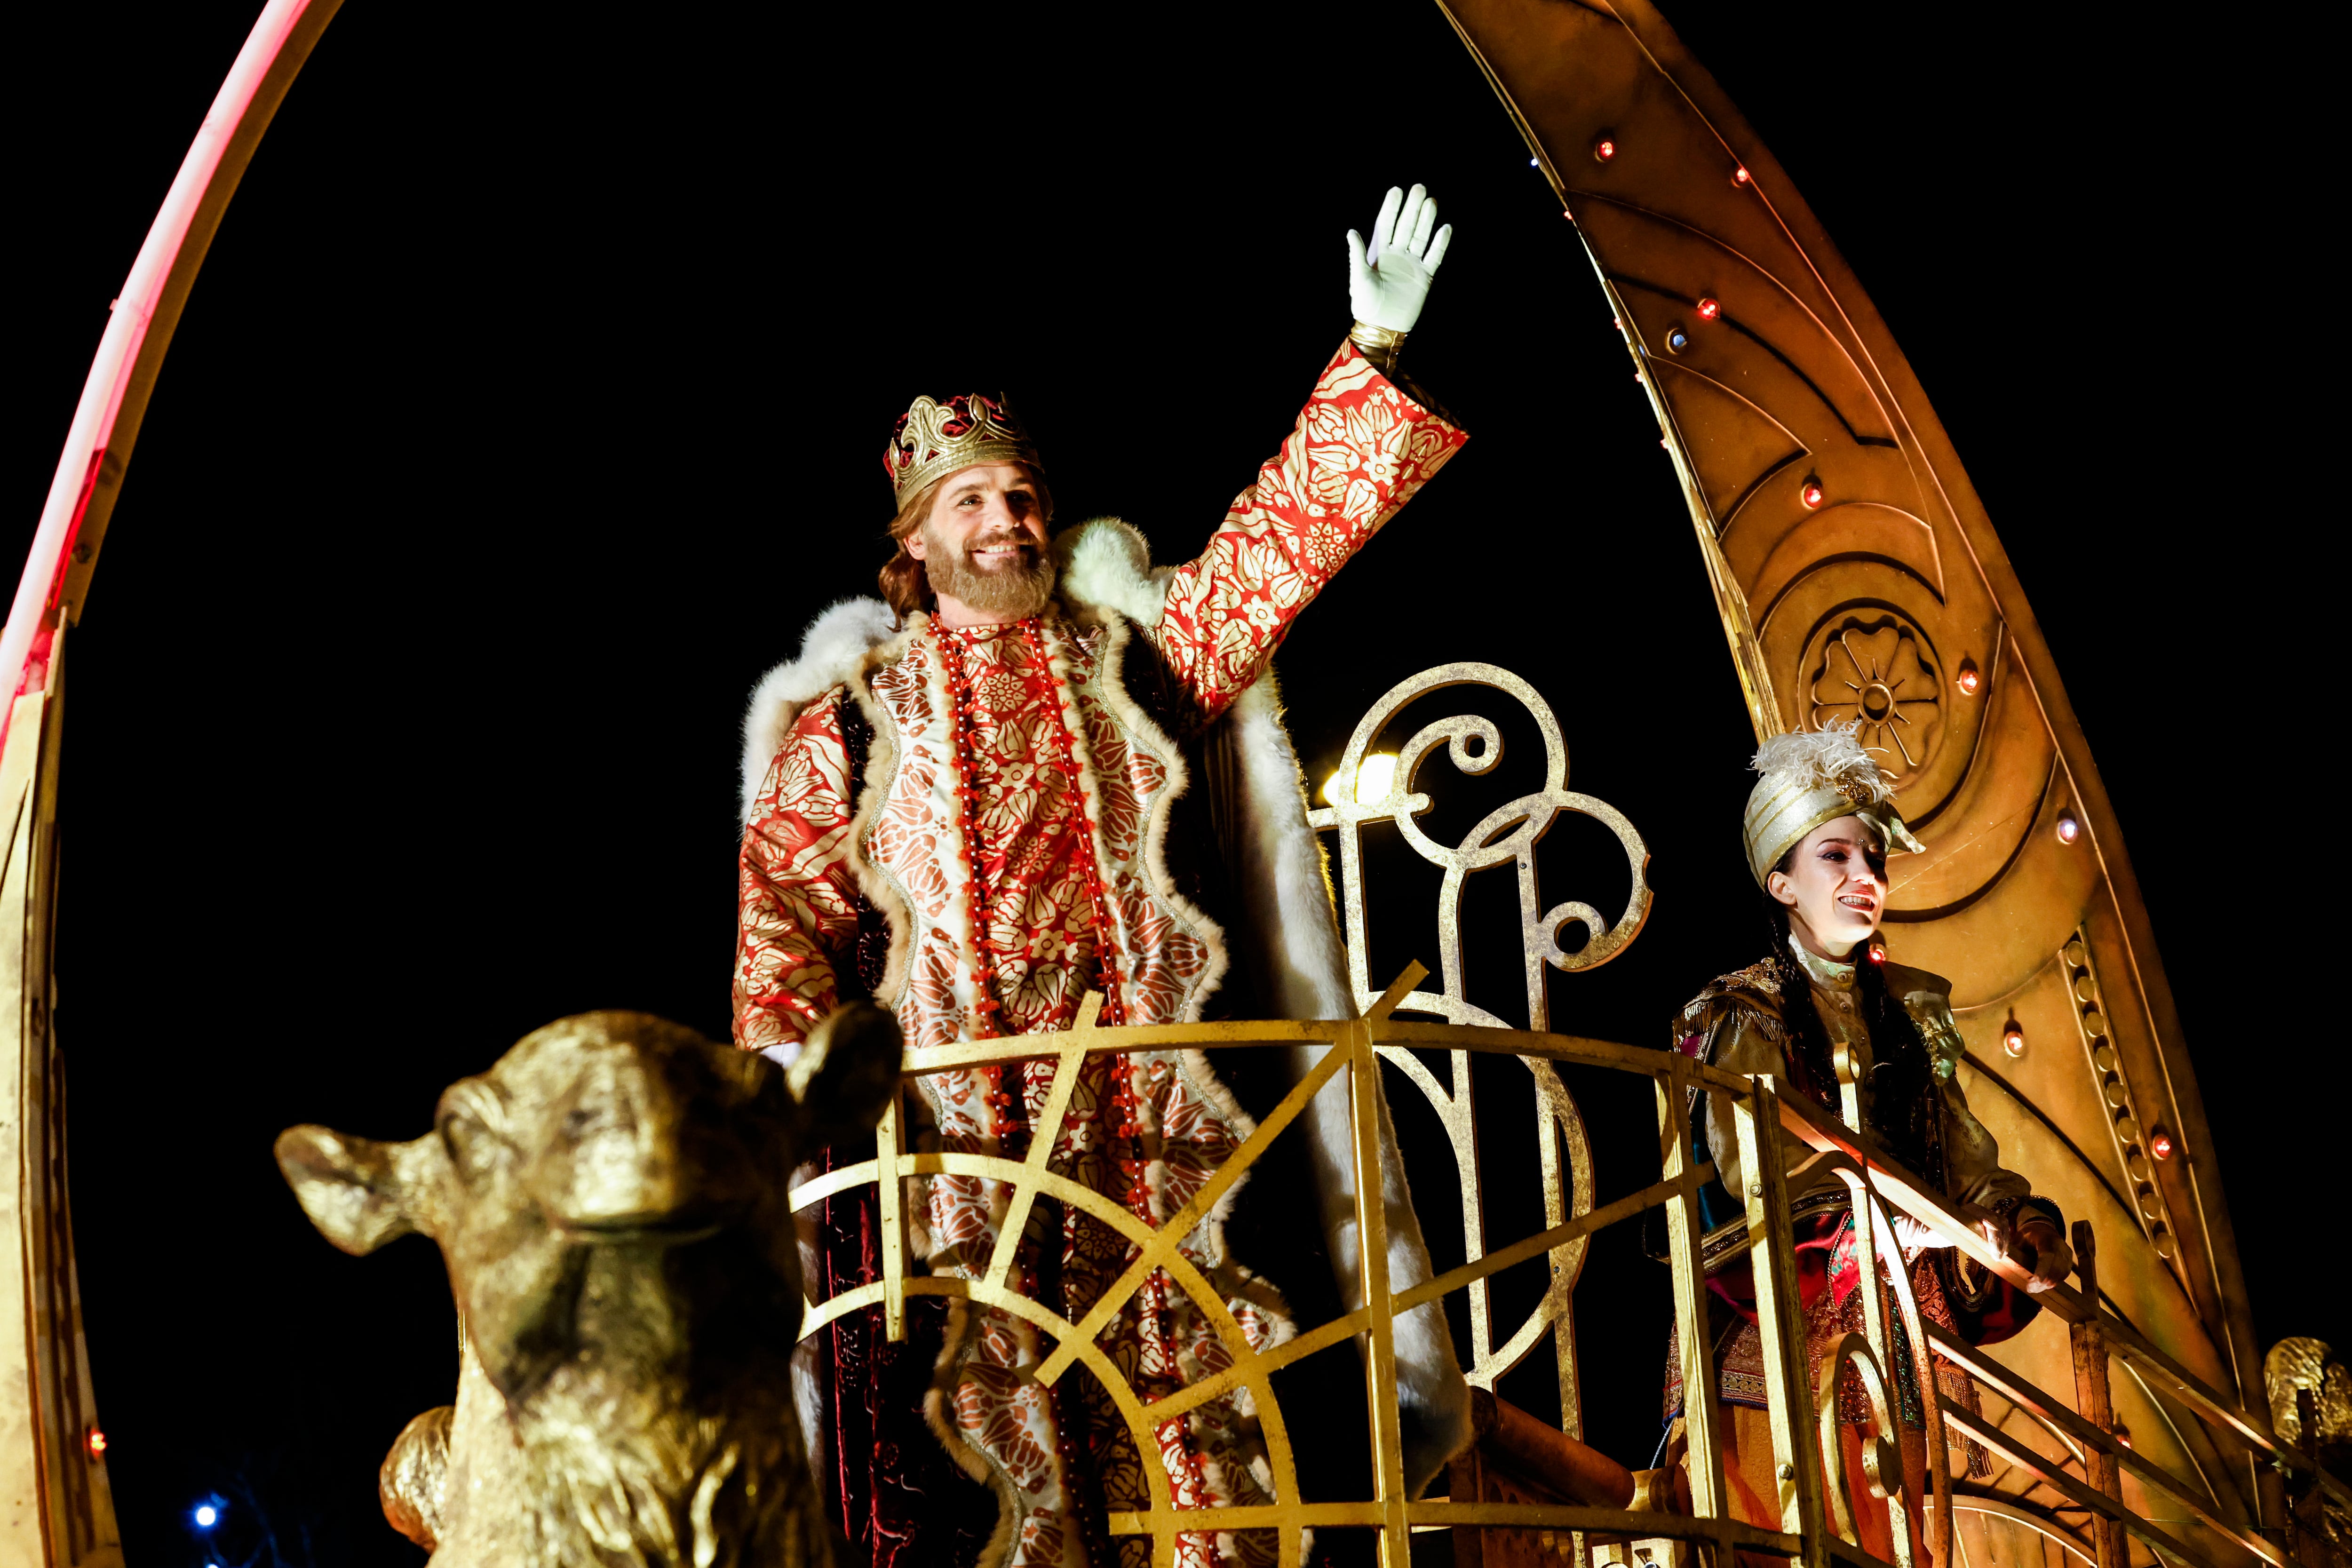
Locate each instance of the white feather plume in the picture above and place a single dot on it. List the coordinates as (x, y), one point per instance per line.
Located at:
(1828, 758)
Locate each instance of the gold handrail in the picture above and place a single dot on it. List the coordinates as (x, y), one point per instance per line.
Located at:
(1774, 1125)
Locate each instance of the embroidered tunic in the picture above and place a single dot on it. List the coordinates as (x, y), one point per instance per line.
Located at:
(1359, 450)
(1002, 914)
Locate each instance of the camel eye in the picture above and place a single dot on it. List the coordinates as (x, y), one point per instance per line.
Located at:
(471, 1145)
(469, 1123)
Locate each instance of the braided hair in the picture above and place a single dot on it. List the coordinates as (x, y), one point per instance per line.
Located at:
(1905, 1106)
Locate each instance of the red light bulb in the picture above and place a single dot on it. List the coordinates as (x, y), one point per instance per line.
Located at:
(1812, 493)
(1709, 309)
(1969, 679)
(2069, 829)
(2159, 1144)
(1604, 148)
(2013, 1040)
(1877, 952)
(1739, 175)
(97, 1440)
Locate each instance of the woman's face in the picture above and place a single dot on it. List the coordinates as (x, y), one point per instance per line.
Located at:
(1835, 887)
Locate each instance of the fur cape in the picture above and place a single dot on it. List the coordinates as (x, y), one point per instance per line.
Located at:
(1288, 939)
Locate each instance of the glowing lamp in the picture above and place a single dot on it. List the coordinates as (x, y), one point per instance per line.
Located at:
(2013, 1040)
(97, 1441)
(1604, 148)
(1739, 176)
(1677, 339)
(2159, 1144)
(1709, 309)
(1534, 163)
(1877, 952)
(1967, 681)
(2069, 829)
(1812, 494)
(207, 1516)
(1373, 777)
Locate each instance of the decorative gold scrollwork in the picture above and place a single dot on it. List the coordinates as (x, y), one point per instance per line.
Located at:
(1505, 836)
(1509, 834)
(1882, 1459)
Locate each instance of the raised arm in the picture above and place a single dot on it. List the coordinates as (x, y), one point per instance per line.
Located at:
(1361, 448)
(796, 906)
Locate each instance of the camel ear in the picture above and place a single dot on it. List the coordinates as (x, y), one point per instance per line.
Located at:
(845, 1074)
(353, 1189)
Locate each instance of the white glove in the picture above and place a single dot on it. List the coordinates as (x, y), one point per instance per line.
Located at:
(1388, 283)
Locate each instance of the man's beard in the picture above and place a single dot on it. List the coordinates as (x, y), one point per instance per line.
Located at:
(1015, 591)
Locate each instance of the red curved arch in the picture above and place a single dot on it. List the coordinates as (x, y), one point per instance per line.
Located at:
(114, 397)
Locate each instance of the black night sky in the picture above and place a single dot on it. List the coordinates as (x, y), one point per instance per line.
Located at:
(530, 404)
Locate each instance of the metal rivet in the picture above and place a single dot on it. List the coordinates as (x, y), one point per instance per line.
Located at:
(1788, 1472)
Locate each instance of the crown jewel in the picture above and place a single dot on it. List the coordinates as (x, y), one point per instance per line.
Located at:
(934, 438)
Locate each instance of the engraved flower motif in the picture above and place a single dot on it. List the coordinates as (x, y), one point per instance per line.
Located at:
(1879, 676)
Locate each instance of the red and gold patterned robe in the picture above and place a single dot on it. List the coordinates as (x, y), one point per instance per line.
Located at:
(996, 918)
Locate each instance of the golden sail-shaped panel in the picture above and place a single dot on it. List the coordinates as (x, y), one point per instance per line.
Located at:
(1860, 582)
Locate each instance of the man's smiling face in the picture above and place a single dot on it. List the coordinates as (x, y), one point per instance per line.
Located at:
(984, 546)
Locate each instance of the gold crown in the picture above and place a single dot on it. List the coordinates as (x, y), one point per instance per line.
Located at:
(934, 438)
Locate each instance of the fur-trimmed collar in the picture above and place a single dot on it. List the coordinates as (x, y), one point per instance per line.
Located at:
(1104, 564)
(836, 644)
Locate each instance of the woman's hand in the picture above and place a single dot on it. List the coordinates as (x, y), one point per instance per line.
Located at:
(1389, 279)
(1914, 1236)
(2053, 1258)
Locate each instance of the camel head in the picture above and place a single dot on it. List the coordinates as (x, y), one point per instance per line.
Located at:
(610, 1200)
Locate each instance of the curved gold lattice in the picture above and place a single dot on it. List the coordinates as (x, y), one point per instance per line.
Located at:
(1772, 1131)
(1505, 837)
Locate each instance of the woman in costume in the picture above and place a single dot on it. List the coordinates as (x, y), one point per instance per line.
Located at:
(1820, 822)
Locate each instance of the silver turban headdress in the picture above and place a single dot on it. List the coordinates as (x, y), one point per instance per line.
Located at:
(1815, 777)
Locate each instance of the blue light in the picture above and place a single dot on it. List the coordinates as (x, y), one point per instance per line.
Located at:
(207, 1516)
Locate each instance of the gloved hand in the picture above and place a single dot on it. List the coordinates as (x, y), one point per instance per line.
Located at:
(1388, 281)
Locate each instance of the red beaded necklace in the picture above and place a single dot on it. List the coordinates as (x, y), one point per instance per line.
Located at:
(1007, 1086)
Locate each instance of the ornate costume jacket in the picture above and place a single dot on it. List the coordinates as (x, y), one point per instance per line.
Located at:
(978, 825)
(1742, 1024)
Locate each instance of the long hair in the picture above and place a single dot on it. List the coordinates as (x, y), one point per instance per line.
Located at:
(906, 584)
(1905, 1102)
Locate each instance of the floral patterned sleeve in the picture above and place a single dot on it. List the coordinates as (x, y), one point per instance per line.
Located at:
(796, 909)
(1359, 450)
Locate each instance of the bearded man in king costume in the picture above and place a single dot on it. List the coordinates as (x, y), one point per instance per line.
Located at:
(1032, 774)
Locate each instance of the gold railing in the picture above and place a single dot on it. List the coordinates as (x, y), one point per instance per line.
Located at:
(1775, 1128)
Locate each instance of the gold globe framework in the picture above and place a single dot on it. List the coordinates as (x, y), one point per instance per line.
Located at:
(1774, 1126)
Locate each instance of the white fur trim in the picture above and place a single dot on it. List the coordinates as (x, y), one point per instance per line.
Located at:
(835, 647)
(1108, 563)
(1285, 880)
